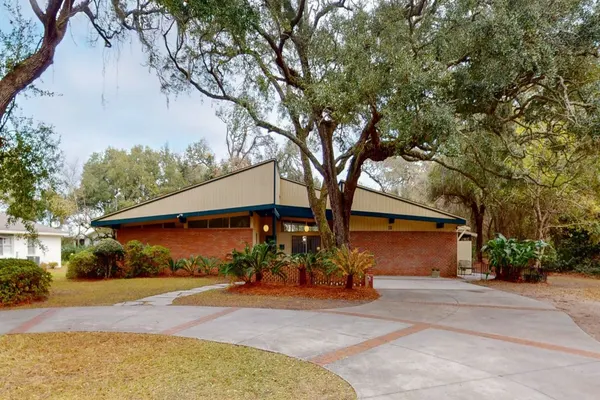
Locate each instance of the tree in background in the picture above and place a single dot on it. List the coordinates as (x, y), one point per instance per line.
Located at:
(351, 82)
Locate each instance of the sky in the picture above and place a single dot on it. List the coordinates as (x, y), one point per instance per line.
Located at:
(107, 97)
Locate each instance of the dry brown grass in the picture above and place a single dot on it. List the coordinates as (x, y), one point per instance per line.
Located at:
(281, 297)
(69, 293)
(116, 366)
(577, 295)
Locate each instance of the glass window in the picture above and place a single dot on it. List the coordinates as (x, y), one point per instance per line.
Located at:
(295, 226)
(5, 246)
(240, 222)
(203, 223)
(30, 247)
(218, 223)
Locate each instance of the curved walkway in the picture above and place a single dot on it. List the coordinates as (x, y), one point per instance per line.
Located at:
(424, 339)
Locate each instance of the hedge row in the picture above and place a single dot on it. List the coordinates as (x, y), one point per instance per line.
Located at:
(22, 281)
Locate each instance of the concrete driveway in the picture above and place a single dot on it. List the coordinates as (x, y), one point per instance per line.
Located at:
(424, 339)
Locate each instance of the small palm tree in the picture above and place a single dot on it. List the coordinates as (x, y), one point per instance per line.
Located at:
(308, 263)
(351, 263)
(255, 261)
(207, 264)
(189, 265)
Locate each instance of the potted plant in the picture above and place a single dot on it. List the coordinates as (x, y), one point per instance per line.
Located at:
(435, 272)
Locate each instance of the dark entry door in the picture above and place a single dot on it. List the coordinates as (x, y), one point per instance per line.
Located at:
(312, 244)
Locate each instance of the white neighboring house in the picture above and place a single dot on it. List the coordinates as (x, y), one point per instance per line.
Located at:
(14, 245)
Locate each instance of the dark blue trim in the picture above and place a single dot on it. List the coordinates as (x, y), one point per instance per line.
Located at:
(458, 221)
(283, 211)
(306, 212)
(187, 215)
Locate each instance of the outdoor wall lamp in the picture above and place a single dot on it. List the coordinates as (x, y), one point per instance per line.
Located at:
(266, 228)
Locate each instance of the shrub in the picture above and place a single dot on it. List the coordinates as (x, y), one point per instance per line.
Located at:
(22, 281)
(83, 265)
(189, 265)
(174, 265)
(53, 264)
(254, 262)
(351, 263)
(156, 258)
(208, 265)
(310, 263)
(510, 256)
(108, 252)
(69, 249)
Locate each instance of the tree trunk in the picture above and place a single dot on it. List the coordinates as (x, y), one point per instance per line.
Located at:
(302, 276)
(350, 281)
(31, 68)
(259, 276)
(478, 216)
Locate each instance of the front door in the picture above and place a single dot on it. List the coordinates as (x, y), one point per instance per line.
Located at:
(305, 244)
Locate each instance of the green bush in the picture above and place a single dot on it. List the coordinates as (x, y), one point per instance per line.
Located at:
(108, 252)
(510, 257)
(254, 262)
(84, 265)
(157, 259)
(68, 250)
(145, 260)
(22, 281)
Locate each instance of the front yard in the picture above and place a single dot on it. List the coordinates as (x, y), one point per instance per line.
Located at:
(577, 295)
(119, 366)
(73, 293)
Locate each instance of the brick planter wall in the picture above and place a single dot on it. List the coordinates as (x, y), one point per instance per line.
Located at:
(185, 242)
(409, 253)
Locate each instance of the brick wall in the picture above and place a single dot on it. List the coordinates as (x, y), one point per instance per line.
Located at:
(409, 253)
(185, 242)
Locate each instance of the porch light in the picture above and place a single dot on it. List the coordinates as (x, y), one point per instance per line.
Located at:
(266, 227)
(306, 228)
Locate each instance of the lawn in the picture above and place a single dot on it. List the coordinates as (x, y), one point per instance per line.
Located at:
(137, 366)
(281, 297)
(69, 293)
(577, 295)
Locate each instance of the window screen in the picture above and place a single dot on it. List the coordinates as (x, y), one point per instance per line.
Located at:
(218, 223)
(240, 222)
(203, 223)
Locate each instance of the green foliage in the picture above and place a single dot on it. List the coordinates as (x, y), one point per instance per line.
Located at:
(22, 281)
(174, 265)
(208, 265)
(84, 265)
(145, 260)
(69, 249)
(52, 264)
(108, 252)
(255, 262)
(189, 265)
(509, 257)
(351, 263)
(311, 263)
(577, 249)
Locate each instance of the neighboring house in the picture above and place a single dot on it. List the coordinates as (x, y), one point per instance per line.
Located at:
(14, 245)
(87, 238)
(255, 205)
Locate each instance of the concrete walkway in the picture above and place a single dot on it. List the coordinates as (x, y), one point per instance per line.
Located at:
(166, 299)
(424, 339)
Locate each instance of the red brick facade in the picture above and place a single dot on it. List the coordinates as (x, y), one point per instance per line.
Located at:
(185, 242)
(409, 253)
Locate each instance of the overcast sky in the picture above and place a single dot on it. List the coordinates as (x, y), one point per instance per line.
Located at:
(107, 97)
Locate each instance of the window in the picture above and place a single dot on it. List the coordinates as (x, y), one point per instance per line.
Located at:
(30, 247)
(5, 245)
(295, 226)
(218, 223)
(239, 222)
(203, 223)
(169, 225)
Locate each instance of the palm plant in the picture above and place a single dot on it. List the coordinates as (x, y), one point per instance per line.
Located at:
(174, 265)
(207, 264)
(510, 256)
(189, 265)
(351, 263)
(255, 261)
(309, 263)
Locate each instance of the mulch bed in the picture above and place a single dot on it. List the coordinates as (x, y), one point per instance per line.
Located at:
(309, 292)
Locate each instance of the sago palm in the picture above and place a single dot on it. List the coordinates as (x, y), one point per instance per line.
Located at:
(351, 263)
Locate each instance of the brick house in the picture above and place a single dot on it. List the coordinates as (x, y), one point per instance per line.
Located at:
(255, 204)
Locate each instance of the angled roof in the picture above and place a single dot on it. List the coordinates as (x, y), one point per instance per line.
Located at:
(259, 188)
(19, 228)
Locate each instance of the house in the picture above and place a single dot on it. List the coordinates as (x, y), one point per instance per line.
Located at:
(256, 204)
(14, 245)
